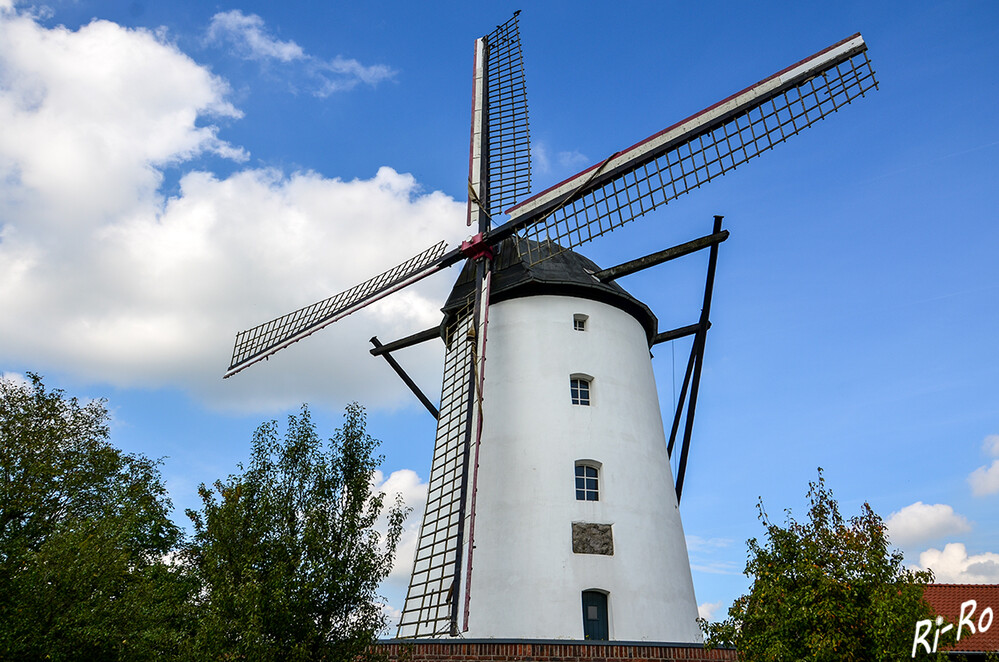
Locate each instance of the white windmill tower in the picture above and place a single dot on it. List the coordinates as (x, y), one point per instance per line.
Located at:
(552, 511)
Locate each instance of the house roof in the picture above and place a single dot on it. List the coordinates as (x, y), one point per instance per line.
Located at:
(563, 273)
(946, 601)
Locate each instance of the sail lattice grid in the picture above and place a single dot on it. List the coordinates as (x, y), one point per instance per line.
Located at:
(695, 159)
(264, 339)
(509, 141)
(429, 606)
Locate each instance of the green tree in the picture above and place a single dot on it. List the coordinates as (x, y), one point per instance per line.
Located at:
(824, 589)
(84, 530)
(286, 551)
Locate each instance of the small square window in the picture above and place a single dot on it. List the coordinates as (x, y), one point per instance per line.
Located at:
(579, 321)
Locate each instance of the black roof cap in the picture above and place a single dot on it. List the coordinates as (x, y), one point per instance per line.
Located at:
(565, 273)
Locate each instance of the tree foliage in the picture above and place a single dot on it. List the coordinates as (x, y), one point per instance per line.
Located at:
(84, 529)
(824, 589)
(286, 551)
(283, 565)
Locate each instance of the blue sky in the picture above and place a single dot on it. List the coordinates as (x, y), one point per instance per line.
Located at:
(172, 173)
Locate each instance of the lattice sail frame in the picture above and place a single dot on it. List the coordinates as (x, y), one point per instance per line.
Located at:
(265, 339)
(499, 174)
(508, 132)
(430, 600)
(695, 151)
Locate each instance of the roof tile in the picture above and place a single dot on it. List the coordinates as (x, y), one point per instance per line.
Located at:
(946, 600)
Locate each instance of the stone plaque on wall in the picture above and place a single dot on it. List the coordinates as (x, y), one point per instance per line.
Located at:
(590, 538)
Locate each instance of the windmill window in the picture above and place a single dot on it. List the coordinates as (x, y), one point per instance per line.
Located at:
(587, 479)
(579, 321)
(579, 389)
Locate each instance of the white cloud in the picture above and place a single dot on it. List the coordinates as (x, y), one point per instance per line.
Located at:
(551, 167)
(984, 480)
(414, 495)
(920, 522)
(406, 483)
(16, 378)
(701, 544)
(347, 73)
(707, 610)
(539, 155)
(90, 117)
(702, 549)
(573, 160)
(392, 616)
(952, 565)
(104, 279)
(249, 38)
(716, 567)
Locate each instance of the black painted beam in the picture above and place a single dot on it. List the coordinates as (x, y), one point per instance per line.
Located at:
(659, 257)
(408, 341)
(402, 373)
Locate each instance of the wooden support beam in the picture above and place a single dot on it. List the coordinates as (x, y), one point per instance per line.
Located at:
(659, 257)
(697, 354)
(405, 378)
(408, 341)
(676, 334)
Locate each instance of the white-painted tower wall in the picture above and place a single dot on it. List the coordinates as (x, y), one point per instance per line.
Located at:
(526, 581)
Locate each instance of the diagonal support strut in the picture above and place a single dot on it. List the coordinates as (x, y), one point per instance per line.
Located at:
(384, 352)
(692, 378)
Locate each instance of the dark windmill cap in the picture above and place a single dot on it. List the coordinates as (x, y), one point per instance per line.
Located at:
(565, 273)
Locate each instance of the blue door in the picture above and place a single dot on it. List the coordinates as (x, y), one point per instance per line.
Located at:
(595, 625)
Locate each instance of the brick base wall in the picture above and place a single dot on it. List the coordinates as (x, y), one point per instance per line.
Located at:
(546, 651)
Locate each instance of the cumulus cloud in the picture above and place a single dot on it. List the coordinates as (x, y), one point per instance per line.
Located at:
(104, 279)
(248, 37)
(991, 445)
(984, 480)
(90, 117)
(953, 565)
(407, 484)
(15, 378)
(707, 610)
(392, 617)
(920, 522)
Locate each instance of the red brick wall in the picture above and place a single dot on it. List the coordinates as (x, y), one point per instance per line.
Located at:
(476, 651)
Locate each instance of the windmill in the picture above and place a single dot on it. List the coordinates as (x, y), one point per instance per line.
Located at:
(503, 444)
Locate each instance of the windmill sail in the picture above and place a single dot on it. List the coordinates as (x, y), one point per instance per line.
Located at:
(265, 339)
(693, 152)
(499, 174)
(433, 588)
(508, 132)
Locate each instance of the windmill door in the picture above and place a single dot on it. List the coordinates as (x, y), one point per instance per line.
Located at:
(595, 616)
